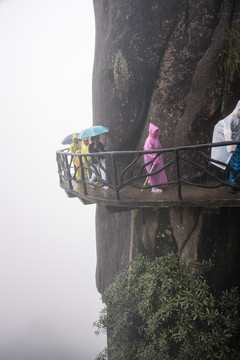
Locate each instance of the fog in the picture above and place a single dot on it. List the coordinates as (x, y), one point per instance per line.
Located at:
(48, 299)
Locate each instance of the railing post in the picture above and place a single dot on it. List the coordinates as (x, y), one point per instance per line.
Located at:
(59, 169)
(83, 176)
(68, 173)
(115, 182)
(178, 175)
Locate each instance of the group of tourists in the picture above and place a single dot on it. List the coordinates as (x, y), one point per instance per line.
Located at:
(97, 163)
(227, 129)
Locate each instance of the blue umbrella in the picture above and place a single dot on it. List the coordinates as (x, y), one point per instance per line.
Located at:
(92, 131)
(68, 139)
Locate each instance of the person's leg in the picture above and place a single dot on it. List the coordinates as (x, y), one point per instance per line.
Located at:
(235, 164)
(103, 172)
(94, 176)
(102, 169)
(156, 180)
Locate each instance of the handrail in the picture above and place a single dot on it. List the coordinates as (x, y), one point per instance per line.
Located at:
(188, 165)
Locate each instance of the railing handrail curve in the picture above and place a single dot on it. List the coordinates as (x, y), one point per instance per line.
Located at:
(68, 172)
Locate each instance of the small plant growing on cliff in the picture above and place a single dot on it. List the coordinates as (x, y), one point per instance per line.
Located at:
(230, 58)
(164, 309)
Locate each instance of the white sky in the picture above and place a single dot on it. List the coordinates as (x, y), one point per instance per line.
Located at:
(48, 297)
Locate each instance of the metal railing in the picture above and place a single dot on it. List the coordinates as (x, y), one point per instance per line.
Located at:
(184, 165)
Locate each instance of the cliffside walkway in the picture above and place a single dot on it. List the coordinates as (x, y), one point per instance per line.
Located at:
(193, 180)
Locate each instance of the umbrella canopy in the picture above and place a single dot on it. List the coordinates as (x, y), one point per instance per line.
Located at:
(68, 139)
(92, 131)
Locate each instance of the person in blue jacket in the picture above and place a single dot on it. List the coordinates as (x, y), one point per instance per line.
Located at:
(228, 129)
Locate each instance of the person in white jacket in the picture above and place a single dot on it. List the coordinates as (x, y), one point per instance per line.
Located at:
(228, 129)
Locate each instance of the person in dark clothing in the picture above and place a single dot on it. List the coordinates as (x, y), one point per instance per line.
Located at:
(98, 162)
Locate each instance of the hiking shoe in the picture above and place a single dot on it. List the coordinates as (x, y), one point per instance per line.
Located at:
(156, 190)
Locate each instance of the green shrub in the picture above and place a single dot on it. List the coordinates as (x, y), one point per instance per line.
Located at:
(164, 310)
(230, 57)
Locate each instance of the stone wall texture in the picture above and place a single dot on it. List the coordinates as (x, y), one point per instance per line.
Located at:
(175, 63)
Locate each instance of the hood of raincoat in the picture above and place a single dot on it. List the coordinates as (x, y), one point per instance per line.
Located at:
(233, 122)
(85, 148)
(235, 111)
(152, 142)
(74, 137)
(237, 106)
(152, 129)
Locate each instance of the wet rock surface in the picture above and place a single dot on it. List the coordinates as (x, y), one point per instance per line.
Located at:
(163, 61)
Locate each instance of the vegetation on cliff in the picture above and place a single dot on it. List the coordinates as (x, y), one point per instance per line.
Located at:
(164, 309)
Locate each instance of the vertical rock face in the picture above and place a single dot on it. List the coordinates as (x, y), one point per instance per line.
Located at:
(194, 232)
(165, 61)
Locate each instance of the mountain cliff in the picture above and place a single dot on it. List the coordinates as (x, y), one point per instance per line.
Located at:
(175, 63)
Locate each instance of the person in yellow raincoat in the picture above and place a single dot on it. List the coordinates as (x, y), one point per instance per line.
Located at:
(76, 161)
(76, 144)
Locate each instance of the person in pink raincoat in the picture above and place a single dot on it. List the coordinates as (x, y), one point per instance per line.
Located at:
(152, 142)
